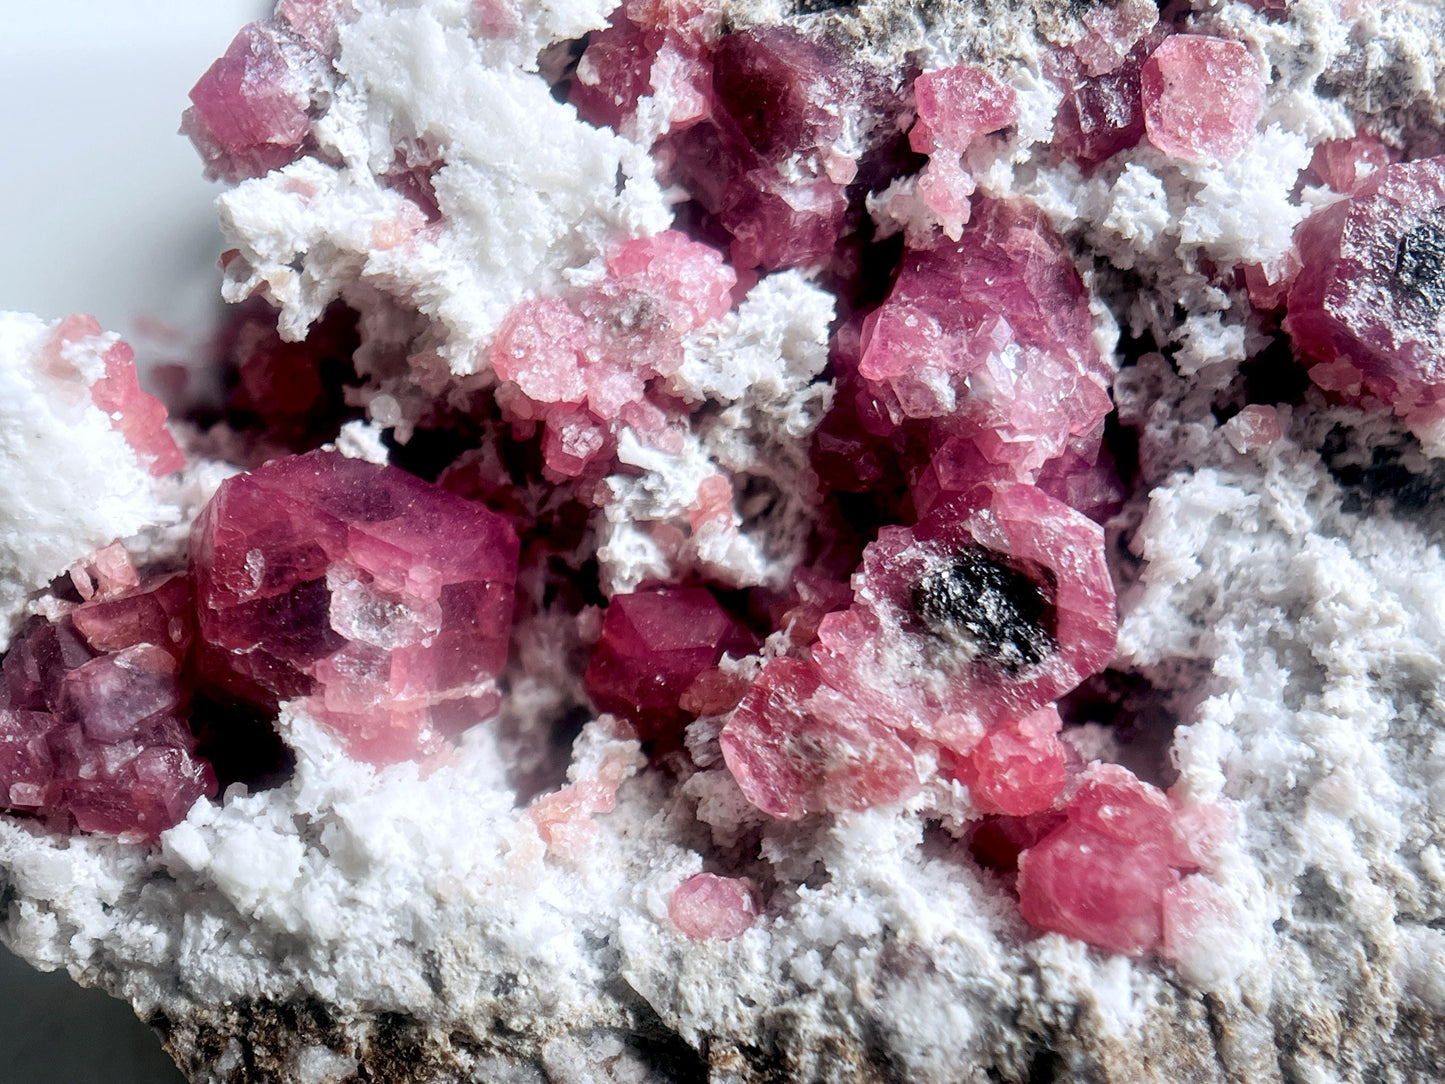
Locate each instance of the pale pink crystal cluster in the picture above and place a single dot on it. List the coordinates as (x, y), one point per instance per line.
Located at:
(140, 418)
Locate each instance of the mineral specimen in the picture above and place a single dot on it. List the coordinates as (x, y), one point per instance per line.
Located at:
(931, 571)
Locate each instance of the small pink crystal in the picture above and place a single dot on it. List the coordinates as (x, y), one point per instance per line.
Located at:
(1253, 428)
(796, 747)
(1114, 802)
(1110, 875)
(138, 417)
(1097, 888)
(1343, 164)
(654, 645)
(385, 599)
(706, 907)
(1018, 768)
(957, 105)
(1098, 116)
(1366, 305)
(249, 112)
(1202, 97)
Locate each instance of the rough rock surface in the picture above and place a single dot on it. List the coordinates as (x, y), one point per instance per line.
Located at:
(509, 910)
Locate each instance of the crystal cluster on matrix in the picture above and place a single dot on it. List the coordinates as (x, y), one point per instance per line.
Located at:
(384, 599)
(93, 730)
(381, 598)
(970, 405)
(976, 385)
(995, 604)
(1116, 872)
(1365, 306)
(771, 131)
(584, 366)
(955, 107)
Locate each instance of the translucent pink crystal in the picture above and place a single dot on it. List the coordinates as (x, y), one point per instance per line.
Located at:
(249, 112)
(790, 122)
(1343, 164)
(707, 907)
(384, 599)
(654, 645)
(1253, 428)
(992, 336)
(1202, 97)
(1111, 873)
(1100, 115)
(996, 603)
(91, 724)
(1366, 305)
(1018, 768)
(138, 417)
(1096, 888)
(957, 105)
(796, 747)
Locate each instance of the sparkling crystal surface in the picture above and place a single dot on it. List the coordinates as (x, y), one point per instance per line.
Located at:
(1202, 97)
(385, 600)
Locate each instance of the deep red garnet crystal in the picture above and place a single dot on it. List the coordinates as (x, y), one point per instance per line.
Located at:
(654, 645)
(384, 599)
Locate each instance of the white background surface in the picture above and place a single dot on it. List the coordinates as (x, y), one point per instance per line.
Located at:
(103, 210)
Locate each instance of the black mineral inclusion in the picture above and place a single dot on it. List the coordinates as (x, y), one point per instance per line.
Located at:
(1001, 612)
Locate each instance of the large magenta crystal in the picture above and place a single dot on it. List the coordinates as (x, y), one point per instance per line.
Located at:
(654, 645)
(1366, 305)
(996, 603)
(384, 599)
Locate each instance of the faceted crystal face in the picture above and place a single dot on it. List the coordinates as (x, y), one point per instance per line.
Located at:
(796, 746)
(1202, 97)
(92, 730)
(925, 646)
(655, 644)
(990, 341)
(1110, 874)
(249, 111)
(1368, 304)
(384, 599)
